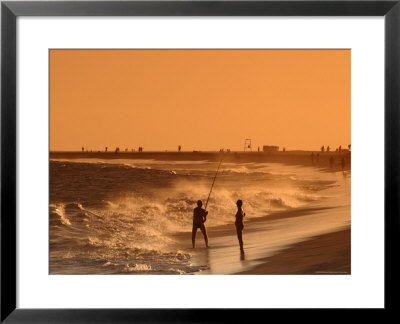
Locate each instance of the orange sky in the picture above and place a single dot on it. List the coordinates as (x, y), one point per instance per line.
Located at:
(200, 99)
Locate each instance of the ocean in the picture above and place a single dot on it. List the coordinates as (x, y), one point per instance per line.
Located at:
(120, 216)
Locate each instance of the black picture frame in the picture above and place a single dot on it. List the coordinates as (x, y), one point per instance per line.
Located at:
(10, 10)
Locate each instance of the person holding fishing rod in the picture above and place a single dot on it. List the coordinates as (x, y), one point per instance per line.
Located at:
(200, 214)
(199, 218)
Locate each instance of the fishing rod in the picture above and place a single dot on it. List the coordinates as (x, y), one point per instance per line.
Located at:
(205, 208)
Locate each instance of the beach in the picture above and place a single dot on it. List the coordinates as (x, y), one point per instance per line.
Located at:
(133, 216)
(319, 159)
(317, 255)
(325, 254)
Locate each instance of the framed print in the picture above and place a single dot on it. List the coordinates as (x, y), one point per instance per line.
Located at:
(241, 154)
(196, 177)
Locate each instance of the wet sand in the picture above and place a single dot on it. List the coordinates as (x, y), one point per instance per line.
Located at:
(327, 253)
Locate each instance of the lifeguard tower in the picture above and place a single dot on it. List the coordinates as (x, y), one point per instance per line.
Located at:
(247, 145)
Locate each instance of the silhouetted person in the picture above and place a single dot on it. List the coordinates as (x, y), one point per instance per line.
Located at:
(179, 148)
(331, 161)
(322, 148)
(239, 223)
(106, 148)
(83, 149)
(199, 218)
(343, 163)
(327, 149)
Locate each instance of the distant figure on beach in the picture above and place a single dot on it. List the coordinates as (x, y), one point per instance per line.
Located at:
(331, 161)
(83, 149)
(343, 163)
(179, 148)
(199, 218)
(239, 223)
(328, 148)
(322, 148)
(106, 148)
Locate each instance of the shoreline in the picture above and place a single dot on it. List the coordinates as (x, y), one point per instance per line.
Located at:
(328, 254)
(250, 225)
(298, 240)
(302, 158)
(325, 253)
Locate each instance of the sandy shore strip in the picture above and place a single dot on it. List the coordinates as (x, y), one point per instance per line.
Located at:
(303, 158)
(326, 254)
(281, 243)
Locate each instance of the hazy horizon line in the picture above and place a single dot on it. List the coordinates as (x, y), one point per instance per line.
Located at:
(192, 151)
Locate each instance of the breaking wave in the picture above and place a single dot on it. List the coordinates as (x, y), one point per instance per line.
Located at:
(119, 218)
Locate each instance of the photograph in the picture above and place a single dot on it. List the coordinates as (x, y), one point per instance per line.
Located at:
(200, 161)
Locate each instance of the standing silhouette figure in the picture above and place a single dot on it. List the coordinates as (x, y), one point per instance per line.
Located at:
(199, 218)
(239, 223)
